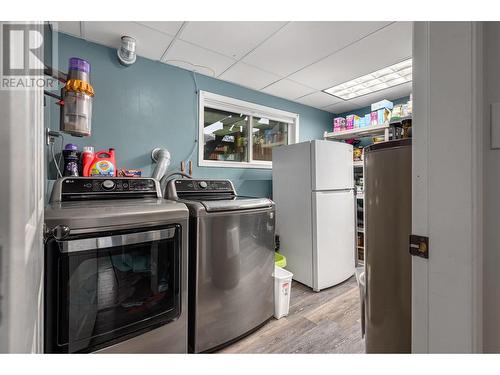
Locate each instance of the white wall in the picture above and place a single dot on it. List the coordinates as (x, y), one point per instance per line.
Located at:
(21, 220)
(491, 192)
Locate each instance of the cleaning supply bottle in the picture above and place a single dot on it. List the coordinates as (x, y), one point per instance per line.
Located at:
(71, 157)
(87, 158)
(103, 164)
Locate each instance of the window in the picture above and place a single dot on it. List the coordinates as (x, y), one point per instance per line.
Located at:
(235, 133)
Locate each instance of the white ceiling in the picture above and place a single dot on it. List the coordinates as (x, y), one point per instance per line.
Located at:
(292, 60)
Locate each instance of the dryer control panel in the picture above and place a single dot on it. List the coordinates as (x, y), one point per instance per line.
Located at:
(203, 186)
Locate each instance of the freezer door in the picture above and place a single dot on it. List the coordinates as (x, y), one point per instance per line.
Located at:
(332, 167)
(333, 238)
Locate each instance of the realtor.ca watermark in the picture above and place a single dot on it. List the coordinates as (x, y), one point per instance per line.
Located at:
(22, 58)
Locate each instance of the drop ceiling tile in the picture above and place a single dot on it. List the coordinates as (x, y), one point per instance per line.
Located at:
(233, 39)
(288, 89)
(302, 43)
(389, 94)
(249, 76)
(342, 107)
(167, 27)
(187, 55)
(67, 27)
(318, 99)
(150, 43)
(388, 46)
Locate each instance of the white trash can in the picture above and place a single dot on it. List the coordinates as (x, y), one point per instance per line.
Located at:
(282, 290)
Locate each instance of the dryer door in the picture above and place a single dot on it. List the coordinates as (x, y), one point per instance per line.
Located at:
(101, 289)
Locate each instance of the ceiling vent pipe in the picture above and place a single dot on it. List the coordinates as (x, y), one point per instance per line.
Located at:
(126, 52)
(162, 158)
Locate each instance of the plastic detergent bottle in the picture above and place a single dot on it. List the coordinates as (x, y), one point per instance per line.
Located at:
(70, 154)
(104, 164)
(87, 159)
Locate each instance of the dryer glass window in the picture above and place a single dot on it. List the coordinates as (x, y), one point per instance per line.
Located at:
(108, 292)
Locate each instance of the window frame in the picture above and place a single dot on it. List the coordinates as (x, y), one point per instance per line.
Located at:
(224, 103)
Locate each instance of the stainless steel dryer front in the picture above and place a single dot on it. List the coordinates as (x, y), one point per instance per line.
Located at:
(231, 261)
(115, 268)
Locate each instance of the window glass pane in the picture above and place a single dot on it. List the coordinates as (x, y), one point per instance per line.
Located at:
(225, 136)
(267, 134)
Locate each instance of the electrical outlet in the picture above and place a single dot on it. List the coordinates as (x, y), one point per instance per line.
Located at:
(50, 136)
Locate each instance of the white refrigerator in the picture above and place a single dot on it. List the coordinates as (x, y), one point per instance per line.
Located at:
(313, 188)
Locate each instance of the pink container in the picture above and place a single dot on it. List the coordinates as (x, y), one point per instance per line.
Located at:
(374, 118)
(349, 122)
(338, 124)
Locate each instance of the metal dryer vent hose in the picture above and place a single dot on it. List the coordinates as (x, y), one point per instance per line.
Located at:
(162, 158)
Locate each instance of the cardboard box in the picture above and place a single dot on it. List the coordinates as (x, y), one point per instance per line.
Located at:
(350, 121)
(367, 120)
(382, 104)
(338, 124)
(383, 116)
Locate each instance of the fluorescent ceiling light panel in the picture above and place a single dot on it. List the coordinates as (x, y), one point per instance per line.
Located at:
(213, 128)
(390, 76)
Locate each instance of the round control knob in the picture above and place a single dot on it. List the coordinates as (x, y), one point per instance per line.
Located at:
(108, 184)
(203, 184)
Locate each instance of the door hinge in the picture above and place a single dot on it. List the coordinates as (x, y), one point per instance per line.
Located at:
(419, 246)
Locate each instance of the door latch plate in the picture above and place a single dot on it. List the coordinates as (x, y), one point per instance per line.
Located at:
(419, 246)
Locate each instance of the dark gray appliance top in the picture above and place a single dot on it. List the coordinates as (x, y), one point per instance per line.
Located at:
(388, 144)
(95, 215)
(68, 189)
(212, 196)
(97, 204)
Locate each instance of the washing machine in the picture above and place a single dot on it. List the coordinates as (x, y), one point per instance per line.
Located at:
(231, 252)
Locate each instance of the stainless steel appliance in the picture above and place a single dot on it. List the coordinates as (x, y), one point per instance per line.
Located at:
(387, 231)
(115, 268)
(231, 261)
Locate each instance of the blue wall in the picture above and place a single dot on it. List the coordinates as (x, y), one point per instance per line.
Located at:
(151, 104)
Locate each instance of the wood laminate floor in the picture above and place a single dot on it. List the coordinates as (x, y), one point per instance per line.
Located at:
(324, 322)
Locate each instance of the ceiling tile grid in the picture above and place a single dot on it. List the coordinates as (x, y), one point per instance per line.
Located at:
(233, 39)
(151, 43)
(319, 99)
(292, 60)
(288, 89)
(388, 46)
(249, 76)
(181, 52)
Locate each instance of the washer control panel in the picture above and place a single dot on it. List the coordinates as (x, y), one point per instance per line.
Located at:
(77, 188)
(186, 185)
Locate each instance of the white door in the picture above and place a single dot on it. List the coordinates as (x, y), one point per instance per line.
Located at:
(21, 219)
(447, 187)
(333, 237)
(332, 166)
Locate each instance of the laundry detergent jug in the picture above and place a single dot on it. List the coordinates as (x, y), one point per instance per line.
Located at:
(104, 164)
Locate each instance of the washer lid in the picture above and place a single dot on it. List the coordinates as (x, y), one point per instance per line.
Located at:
(215, 204)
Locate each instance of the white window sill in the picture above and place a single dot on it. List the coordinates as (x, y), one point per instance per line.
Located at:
(233, 164)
